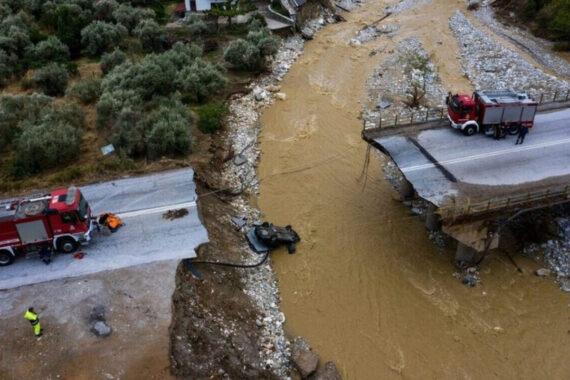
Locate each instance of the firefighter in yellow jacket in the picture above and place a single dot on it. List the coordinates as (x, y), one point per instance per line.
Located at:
(31, 316)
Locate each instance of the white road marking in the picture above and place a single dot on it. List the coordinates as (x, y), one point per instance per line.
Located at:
(156, 210)
(487, 155)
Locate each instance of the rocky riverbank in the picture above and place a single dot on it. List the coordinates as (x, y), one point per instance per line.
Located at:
(228, 323)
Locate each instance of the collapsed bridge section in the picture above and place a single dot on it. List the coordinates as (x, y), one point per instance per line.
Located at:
(474, 185)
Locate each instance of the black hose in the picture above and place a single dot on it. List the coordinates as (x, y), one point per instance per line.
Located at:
(231, 265)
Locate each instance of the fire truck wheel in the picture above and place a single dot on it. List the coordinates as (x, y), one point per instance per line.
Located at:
(66, 244)
(469, 130)
(513, 130)
(6, 258)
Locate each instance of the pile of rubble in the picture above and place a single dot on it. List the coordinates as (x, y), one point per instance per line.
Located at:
(555, 253)
(392, 85)
(490, 65)
(371, 32)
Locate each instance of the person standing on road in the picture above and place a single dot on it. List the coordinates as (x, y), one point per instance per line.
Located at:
(522, 134)
(33, 318)
(45, 254)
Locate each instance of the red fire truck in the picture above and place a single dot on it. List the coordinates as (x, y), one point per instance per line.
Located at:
(60, 219)
(487, 110)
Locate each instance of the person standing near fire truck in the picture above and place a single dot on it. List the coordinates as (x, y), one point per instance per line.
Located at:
(523, 130)
(33, 318)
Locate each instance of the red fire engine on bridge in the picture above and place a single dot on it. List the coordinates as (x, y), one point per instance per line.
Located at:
(487, 110)
(60, 219)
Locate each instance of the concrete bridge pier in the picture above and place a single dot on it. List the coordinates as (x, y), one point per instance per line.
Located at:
(472, 241)
(432, 219)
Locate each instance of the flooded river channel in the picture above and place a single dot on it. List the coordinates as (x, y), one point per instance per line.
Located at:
(367, 288)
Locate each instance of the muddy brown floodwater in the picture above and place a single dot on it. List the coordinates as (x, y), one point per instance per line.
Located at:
(367, 287)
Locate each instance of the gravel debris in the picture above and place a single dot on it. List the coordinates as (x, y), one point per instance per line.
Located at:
(555, 253)
(538, 48)
(395, 78)
(404, 5)
(489, 65)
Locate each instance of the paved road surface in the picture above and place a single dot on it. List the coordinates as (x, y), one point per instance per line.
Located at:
(145, 238)
(436, 161)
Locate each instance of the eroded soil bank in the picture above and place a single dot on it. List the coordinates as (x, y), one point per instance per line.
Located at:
(367, 288)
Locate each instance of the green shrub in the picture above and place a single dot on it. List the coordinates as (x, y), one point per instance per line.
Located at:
(129, 16)
(99, 36)
(110, 60)
(168, 132)
(211, 116)
(16, 109)
(8, 66)
(196, 26)
(103, 10)
(251, 54)
(201, 80)
(52, 79)
(129, 133)
(151, 35)
(49, 50)
(45, 145)
(69, 20)
(87, 91)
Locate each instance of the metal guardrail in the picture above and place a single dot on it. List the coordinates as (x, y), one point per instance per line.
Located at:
(415, 117)
(549, 196)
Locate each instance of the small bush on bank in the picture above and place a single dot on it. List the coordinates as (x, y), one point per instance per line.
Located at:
(87, 91)
(252, 53)
(211, 116)
(110, 60)
(52, 79)
(99, 37)
(196, 26)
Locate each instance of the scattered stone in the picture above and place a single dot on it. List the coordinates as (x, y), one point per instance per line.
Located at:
(304, 359)
(384, 104)
(101, 329)
(470, 280)
(328, 372)
(239, 160)
(473, 5)
(259, 94)
(281, 96)
(273, 88)
(565, 285)
(307, 33)
(542, 272)
(99, 325)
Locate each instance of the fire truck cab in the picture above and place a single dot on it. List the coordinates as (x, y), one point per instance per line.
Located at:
(60, 219)
(486, 110)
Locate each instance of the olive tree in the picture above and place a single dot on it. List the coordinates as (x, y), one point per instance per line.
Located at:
(129, 16)
(45, 145)
(168, 131)
(52, 79)
(201, 80)
(110, 60)
(100, 36)
(86, 91)
(150, 34)
(49, 50)
(251, 53)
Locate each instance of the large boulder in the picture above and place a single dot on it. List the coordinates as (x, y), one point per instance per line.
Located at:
(304, 359)
(328, 372)
(473, 5)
